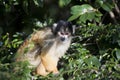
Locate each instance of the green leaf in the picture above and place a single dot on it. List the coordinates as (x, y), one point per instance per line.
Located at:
(15, 40)
(91, 16)
(83, 18)
(6, 41)
(5, 36)
(97, 13)
(81, 9)
(76, 10)
(92, 61)
(99, 3)
(25, 5)
(118, 54)
(75, 16)
(64, 2)
(97, 19)
(95, 61)
(38, 3)
(107, 6)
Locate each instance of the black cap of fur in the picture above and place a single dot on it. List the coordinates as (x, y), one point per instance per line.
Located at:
(62, 24)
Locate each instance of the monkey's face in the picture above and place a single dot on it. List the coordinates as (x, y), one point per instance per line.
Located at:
(64, 34)
(63, 30)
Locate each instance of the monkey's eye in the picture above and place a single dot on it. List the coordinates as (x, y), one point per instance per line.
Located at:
(62, 33)
(66, 33)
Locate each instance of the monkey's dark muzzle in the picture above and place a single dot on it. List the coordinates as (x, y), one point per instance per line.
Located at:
(62, 38)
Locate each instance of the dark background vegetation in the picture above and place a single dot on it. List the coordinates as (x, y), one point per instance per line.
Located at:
(95, 50)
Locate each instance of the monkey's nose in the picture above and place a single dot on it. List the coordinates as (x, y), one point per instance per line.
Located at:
(62, 38)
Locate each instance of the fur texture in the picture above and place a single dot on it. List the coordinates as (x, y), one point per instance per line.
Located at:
(44, 48)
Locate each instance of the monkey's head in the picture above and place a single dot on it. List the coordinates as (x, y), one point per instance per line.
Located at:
(63, 30)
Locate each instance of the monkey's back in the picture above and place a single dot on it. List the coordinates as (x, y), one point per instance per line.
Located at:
(31, 48)
(41, 43)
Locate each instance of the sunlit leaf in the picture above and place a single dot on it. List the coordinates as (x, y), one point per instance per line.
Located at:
(38, 3)
(81, 9)
(6, 41)
(85, 12)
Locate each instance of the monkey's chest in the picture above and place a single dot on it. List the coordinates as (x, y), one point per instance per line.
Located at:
(59, 50)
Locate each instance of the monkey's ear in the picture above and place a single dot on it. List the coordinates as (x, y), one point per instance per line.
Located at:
(55, 25)
(72, 27)
(53, 28)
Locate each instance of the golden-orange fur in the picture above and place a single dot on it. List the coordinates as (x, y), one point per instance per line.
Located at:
(42, 50)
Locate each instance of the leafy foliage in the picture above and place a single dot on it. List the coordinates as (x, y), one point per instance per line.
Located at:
(94, 53)
(84, 12)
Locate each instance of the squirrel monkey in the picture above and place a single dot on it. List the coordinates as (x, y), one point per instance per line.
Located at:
(44, 47)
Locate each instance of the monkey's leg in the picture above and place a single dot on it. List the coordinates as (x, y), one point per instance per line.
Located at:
(50, 63)
(40, 70)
